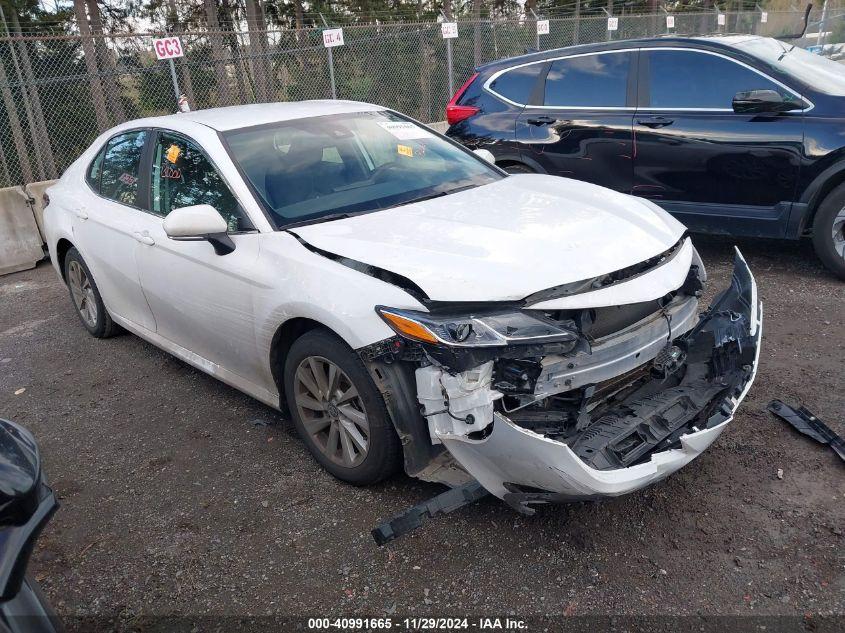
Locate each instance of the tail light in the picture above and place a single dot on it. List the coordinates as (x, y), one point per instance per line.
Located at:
(456, 113)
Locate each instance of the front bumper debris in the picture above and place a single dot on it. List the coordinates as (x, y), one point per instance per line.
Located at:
(637, 441)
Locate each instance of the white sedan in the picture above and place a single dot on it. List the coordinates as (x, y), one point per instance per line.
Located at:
(407, 302)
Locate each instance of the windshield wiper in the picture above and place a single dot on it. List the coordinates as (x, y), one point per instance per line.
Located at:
(321, 219)
(431, 196)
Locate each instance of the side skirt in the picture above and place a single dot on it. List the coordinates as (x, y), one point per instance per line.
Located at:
(271, 399)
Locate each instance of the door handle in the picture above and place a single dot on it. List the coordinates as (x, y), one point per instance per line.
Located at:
(144, 238)
(655, 122)
(81, 213)
(541, 120)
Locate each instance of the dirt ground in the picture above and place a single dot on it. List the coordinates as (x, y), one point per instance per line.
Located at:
(177, 500)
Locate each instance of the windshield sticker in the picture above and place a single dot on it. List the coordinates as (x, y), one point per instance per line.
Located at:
(173, 152)
(405, 150)
(405, 131)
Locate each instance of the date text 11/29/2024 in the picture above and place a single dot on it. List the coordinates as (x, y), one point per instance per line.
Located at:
(418, 624)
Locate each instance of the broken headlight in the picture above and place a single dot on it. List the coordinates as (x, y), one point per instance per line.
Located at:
(484, 330)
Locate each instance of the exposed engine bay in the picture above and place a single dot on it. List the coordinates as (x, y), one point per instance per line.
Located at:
(607, 400)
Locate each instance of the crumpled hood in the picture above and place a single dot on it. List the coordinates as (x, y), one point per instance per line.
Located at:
(503, 241)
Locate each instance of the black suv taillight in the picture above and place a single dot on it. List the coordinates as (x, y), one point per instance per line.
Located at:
(456, 113)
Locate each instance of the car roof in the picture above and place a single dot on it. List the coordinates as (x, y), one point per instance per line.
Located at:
(242, 116)
(705, 42)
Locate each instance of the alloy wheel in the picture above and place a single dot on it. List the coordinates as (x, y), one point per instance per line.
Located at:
(331, 410)
(83, 293)
(838, 233)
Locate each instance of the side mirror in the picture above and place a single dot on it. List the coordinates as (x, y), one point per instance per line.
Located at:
(486, 154)
(199, 222)
(762, 102)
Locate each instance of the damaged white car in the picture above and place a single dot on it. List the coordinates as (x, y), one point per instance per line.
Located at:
(407, 302)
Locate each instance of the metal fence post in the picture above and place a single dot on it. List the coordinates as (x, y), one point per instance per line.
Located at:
(331, 73)
(175, 79)
(449, 66)
(331, 61)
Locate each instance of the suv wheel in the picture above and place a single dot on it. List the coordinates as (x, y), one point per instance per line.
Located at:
(338, 411)
(829, 231)
(86, 297)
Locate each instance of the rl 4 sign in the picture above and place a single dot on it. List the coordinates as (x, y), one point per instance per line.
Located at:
(332, 37)
(449, 30)
(168, 48)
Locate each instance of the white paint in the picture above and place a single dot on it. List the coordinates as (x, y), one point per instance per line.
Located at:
(168, 48)
(612, 24)
(542, 27)
(449, 30)
(652, 285)
(332, 38)
(194, 221)
(506, 240)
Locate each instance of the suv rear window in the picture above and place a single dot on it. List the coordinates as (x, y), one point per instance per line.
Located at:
(598, 81)
(518, 83)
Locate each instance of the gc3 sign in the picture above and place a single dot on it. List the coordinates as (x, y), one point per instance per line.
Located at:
(168, 48)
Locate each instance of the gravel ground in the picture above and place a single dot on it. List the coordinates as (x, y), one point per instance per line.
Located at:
(176, 500)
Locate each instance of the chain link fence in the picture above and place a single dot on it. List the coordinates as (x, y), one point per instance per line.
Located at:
(59, 92)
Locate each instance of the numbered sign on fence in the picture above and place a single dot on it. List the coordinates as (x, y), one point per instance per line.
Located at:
(764, 17)
(542, 27)
(670, 21)
(720, 19)
(612, 24)
(168, 48)
(332, 37)
(449, 30)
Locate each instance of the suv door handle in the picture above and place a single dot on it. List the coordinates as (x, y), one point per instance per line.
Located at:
(144, 238)
(81, 213)
(541, 120)
(655, 122)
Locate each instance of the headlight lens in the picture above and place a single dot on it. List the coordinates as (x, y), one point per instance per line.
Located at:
(487, 330)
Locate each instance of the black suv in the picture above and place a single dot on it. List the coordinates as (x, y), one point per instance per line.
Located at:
(740, 135)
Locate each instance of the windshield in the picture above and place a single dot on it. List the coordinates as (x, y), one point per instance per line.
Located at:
(820, 73)
(342, 164)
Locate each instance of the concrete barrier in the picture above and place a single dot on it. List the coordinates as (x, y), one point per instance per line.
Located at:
(20, 241)
(439, 126)
(36, 190)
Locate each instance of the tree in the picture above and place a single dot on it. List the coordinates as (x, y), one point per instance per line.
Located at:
(35, 113)
(258, 49)
(106, 61)
(91, 65)
(218, 53)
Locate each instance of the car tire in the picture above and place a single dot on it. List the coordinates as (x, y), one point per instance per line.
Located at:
(338, 411)
(829, 231)
(85, 297)
(518, 168)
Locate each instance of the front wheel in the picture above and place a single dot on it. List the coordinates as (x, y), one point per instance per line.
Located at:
(338, 411)
(829, 231)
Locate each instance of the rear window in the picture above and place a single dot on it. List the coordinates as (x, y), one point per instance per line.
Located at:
(518, 83)
(597, 81)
